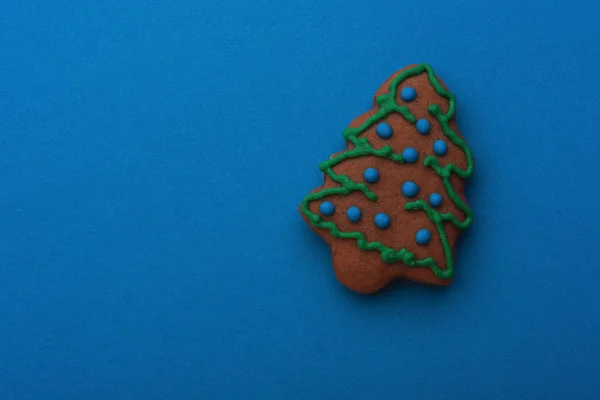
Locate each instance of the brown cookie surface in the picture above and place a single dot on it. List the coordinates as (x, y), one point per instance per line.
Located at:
(392, 204)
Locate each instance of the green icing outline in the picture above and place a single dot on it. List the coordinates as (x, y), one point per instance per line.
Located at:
(362, 147)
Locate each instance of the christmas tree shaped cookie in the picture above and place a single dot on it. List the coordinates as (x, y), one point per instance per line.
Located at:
(392, 204)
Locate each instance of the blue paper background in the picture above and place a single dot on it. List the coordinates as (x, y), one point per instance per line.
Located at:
(152, 157)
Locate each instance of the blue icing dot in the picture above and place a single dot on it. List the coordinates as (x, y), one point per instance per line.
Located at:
(435, 199)
(423, 126)
(408, 94)
(410, 155)
(384, 130)
(440, 148)
(371, 175)
(382, 221)
(327, 208)
(354, 214)
(410, 189)
(423, 237)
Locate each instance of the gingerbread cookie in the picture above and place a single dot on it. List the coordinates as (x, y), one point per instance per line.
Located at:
(392, 204)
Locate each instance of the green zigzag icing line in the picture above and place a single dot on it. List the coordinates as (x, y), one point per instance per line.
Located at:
(363, 148)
